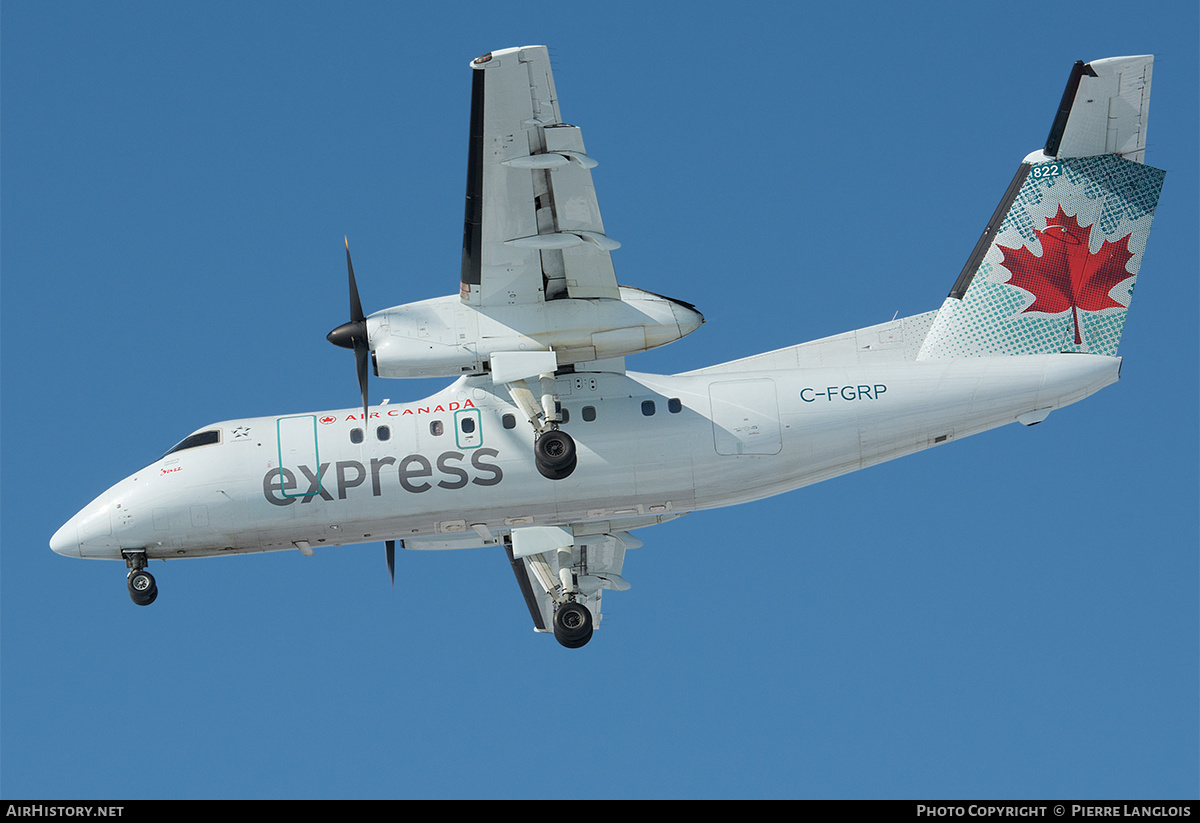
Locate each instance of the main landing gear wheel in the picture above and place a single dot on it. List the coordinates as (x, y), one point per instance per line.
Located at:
(572, 625)
(554, 454)
(142, 588)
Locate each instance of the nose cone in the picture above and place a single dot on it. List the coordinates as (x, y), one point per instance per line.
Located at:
(66, 540)
(89, 533)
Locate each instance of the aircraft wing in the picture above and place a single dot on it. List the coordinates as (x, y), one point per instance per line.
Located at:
(532, 229)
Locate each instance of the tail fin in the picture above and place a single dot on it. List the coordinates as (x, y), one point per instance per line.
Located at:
(1055, 269)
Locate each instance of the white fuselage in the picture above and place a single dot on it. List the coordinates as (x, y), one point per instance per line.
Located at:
(447, 472)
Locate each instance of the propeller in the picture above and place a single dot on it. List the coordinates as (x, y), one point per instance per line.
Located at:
(353, 335)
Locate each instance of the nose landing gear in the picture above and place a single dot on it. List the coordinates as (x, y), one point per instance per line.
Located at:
(142, 588)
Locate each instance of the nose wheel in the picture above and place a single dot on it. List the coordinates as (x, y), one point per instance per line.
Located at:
(142, 588)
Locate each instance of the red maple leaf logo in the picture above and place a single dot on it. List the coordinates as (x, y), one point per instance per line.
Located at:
(1068, 275)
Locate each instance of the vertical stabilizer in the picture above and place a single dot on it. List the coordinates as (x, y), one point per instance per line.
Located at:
(1055, 269)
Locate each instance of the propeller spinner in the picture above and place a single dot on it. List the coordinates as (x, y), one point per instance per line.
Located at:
(353, 335)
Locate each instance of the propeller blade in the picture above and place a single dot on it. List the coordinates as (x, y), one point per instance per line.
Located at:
(361, 355)
(356, 312)
(390, 546)
(353, 334)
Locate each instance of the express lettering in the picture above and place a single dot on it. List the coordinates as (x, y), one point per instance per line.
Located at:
(415, 473)
(830, 393)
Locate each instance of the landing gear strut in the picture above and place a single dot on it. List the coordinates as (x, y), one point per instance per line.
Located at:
(142, 588)
(572, 625)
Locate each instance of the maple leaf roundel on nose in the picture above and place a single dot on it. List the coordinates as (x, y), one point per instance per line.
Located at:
(1068, 275)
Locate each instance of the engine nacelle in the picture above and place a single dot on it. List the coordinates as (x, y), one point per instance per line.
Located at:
(445, 337)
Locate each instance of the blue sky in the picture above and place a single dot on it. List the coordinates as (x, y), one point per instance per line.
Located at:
(1012, 616)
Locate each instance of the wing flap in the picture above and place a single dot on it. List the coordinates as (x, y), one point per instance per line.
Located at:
(587, 266)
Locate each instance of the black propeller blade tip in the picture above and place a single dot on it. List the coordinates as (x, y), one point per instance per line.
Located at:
(356, 312)
(353, 335)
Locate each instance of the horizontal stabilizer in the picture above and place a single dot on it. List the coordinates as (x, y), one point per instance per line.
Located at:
(1104, 110)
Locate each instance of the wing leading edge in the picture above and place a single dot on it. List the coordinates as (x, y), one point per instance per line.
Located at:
(532, 228)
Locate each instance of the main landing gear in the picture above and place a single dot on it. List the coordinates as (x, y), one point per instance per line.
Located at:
(554, 454)
(553, 449)
(142, 588)
(572, 625)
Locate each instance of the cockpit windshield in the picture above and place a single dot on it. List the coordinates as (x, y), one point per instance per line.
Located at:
(204, 438)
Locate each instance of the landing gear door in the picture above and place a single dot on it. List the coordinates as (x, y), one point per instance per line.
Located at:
(298, 448)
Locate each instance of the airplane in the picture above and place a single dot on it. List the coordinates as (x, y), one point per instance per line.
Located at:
(547, 448)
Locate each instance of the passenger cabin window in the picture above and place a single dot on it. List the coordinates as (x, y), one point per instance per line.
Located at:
(565, 415)
(383, 433)
(674, 406)
(206, 438)
(589, 413)
(509, 421)
(648, 407)
(356, 435)
(436, 428)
